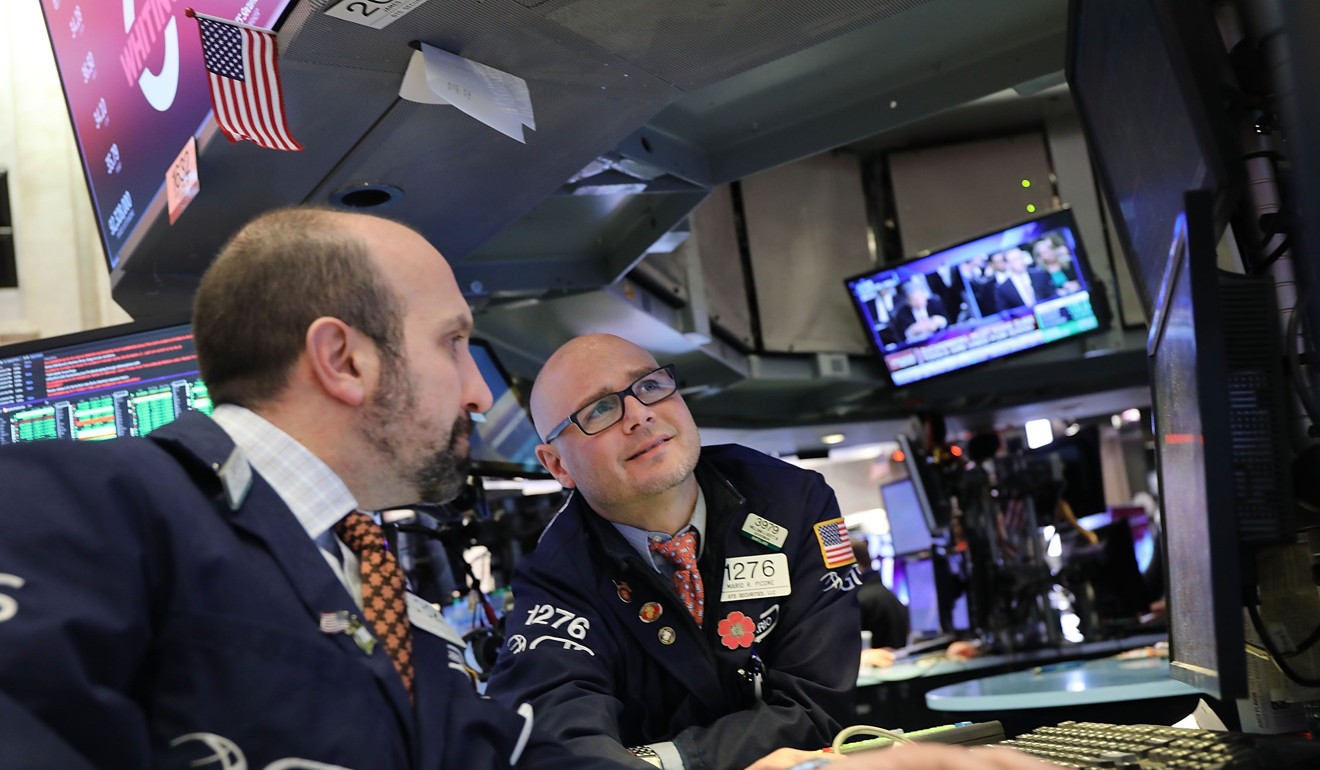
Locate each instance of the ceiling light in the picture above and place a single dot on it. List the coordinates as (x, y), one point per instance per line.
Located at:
(1072, 430)
(832, 438)
(1131, 415)
(1039, 433)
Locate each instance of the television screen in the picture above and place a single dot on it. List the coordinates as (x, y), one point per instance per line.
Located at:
(1011, 290)
(504, 443)
(136, 89)
(122, 381)
(909, 530)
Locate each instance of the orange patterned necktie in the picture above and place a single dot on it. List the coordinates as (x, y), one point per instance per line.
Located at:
(682, 551)
(383, 590)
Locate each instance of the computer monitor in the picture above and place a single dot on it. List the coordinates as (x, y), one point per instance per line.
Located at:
(922, 598)
(504, 443)
(932, 498)
(129, 380)
(1145, 76)
(909, 524)
(121, 381)
(136, 90)
(1220, 427)
(1004, 292)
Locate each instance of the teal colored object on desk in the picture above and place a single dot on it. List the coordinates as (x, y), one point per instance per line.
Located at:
(1110, 680)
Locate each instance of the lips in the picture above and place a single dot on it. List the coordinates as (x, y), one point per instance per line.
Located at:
(648, 447)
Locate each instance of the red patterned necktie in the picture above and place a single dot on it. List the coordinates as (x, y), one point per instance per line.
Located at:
(383, 590)
(682, 551)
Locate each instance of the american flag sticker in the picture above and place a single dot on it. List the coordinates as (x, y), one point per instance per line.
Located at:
(835, 547)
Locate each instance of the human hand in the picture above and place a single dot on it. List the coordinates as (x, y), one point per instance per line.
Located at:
(879, 657)
(784, 759)
(961, 650)
(931, 756)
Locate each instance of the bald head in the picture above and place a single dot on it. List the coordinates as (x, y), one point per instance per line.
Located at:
(561, 387)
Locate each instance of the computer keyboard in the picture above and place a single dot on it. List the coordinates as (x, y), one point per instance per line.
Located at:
(1152, 747)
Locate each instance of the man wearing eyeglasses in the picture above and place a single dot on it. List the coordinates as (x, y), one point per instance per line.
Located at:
(688, 608)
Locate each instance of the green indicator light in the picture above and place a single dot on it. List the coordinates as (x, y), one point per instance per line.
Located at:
(1026, 182)
(1031, 208)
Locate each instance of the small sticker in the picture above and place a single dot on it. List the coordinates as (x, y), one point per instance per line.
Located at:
(236, 477)
(666, 635)
(650, 612)
(764, 531)
(755, 577)
(624, 590)
(376, 14)
(835, 546)
(737, 630)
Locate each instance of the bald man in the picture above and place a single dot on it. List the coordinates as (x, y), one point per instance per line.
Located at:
(214, 593)
(688, 608)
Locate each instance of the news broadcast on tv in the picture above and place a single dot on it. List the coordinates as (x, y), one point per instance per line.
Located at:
(1012, 290)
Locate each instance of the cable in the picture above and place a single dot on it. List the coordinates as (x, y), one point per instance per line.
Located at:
(1275, 655)
(879, 732)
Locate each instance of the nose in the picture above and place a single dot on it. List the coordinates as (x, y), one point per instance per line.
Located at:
(635, 414)
(476, 393)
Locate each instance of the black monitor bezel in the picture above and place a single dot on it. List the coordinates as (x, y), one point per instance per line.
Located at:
(1193, 243)
(1081, 263)
(1193, 68)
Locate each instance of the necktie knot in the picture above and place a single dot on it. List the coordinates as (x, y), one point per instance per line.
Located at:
(681, 550)
(383, 589)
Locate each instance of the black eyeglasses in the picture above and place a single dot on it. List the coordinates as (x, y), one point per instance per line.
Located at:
(650, 388)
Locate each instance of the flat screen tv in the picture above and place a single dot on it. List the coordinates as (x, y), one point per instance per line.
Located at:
(136, 89)
(1008, 291)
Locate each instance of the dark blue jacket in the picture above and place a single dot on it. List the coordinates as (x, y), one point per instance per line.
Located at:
(154, 626)
(602, 677)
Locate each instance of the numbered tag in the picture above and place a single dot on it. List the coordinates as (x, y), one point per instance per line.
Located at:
(373, 13)
(755, 577)
(764, 531)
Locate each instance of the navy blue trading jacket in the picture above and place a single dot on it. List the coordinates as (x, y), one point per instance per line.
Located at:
(580, 647)
(144, 624)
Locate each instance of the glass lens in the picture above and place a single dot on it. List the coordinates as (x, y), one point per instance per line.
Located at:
(600, 414)
(654, 386)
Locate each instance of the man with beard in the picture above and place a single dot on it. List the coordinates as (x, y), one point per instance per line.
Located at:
(688, 608)
(214, 592)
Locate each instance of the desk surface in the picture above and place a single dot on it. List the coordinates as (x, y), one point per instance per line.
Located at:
(935, 664)
(1108, 680)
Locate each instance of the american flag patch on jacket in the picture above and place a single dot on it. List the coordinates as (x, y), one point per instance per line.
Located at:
(835, 547)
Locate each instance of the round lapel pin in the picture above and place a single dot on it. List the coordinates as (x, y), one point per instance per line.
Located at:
(666, 635)
(624, 590)
(650, 611)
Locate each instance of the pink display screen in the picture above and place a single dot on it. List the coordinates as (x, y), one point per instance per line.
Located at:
(136, 89)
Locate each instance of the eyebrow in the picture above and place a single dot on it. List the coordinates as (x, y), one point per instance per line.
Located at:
(633, 375)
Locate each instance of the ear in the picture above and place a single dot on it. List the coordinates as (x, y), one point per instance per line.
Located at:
(341, 359)
(551, 461)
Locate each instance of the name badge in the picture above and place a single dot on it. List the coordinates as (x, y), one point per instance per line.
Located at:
(764, 531)
(427, 618)
(755, 577)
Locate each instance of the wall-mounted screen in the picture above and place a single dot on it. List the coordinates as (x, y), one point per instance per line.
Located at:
(1012, 290)
(136, 88)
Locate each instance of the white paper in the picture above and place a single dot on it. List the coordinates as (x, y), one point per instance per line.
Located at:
(415, 88)
(376, 14)
(496, 98)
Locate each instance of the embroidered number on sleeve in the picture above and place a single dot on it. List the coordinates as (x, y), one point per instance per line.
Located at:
(549, 615)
